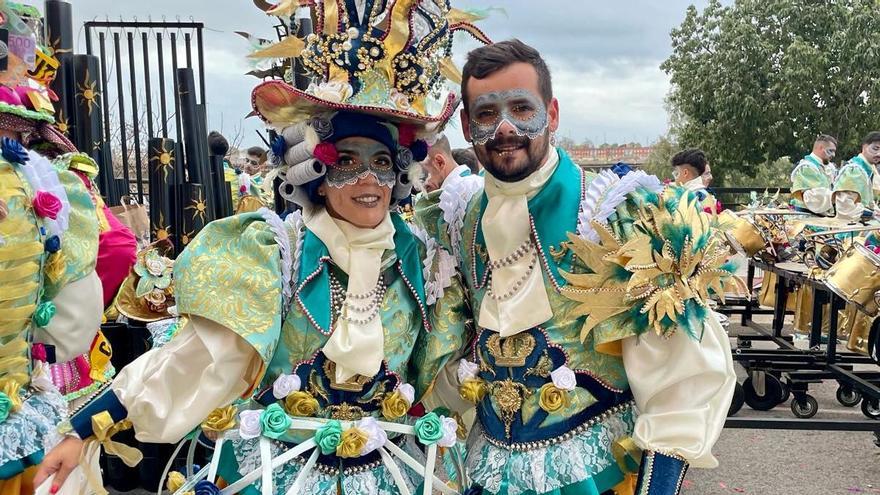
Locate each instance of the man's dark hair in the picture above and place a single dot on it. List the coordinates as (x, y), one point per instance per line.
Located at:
(871, 138)
(466, 156)
(693, 157)
(217, 144)
(825, 138)
(489, 59)
(257, 151)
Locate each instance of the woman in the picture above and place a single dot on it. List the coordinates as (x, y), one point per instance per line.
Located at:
(339, 313)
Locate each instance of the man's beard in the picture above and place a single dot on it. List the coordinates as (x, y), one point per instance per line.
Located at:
(513, 167)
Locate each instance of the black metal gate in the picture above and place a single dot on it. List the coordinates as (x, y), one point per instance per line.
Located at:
(139, 88)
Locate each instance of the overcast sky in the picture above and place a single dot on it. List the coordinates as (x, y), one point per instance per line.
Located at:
(604, 56)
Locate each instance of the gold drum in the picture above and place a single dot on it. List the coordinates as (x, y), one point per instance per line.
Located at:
(745, 237)
(856, 278)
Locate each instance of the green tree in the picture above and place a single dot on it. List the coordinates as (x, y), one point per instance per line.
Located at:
(757, 80)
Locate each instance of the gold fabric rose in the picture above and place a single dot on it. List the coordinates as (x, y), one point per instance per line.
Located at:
(175, 480)
(156, 300)
(472, 390)
(394, 406)
(301, 404)
(552, 398)
(220, 419)
(353, 441)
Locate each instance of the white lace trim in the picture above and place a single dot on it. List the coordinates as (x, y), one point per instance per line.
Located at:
(159, 331)
(436, 280)
(605, 193)
(454, 200)
(277, 225)
(42, 176)
(33, 427)
(549, 468)
(295, 229)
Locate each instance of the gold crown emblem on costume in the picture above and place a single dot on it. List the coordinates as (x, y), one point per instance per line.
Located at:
(511, 351)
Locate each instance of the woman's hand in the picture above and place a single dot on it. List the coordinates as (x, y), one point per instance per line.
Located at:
(60, 461)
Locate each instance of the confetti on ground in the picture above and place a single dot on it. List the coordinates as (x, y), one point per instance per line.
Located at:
(687, 484)
(722, 485)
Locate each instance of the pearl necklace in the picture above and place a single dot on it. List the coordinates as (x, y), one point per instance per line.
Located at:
(342, 300)
(515, 288)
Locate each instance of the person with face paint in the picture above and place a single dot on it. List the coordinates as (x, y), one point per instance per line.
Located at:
(811, 186)
(859, 174)
(579, 389)
(691, 169)
(322, 331)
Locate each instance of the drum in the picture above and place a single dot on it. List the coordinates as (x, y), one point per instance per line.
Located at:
(745, 237)
(856, 278)
(818, 249)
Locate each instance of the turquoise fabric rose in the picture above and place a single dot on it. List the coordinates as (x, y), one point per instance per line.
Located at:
(274, 422)
(44, 314)
(328, 437)
(429, 429)
(5, 407)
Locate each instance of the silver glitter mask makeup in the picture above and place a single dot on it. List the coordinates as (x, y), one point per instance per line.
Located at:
(360, 160)
(520, 108)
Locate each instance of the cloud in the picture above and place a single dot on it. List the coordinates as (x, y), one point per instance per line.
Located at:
(604, 56)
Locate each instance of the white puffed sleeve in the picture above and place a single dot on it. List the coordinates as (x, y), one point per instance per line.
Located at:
(818, 199)
(79, 309)
(171, 390)
(682, 388)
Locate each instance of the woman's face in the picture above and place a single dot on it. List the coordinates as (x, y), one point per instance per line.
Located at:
(358, 186)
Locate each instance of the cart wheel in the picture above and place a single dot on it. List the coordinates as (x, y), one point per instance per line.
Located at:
(848, 397)
(773, 393)
(806, 408)
(871, 408)
(738, 400)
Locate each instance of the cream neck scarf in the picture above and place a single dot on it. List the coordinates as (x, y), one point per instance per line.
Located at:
(357, 342)
(516, 299)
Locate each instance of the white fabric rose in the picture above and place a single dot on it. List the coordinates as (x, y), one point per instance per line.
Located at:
(249, 424)
(336, 92)
(41, 380)
(376, 436)
(450, 432)
(563, 378)
(156, 266)
(285, 385)
(467, 370)
(407, 392)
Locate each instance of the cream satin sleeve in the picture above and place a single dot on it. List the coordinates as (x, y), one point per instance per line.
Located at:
(818, 199)
(78, 316)
(171, 390)
(682, 388)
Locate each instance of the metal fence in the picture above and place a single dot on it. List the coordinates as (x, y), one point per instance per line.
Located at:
(139, 87)
(737, 197)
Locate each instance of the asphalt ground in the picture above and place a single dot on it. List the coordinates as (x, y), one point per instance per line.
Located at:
(785, 462)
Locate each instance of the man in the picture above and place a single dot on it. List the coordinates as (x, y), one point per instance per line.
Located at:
(443, 170)
(867, 162)
(466, 156)
(691, 170)
(517, 262)
(810, 184)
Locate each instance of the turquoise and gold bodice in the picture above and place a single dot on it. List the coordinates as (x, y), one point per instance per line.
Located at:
(807, 175)
(233, 274)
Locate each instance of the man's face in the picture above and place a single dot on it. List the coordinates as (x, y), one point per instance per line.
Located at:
(508, 122)
(707, 176)
(872, 153)
(828, 151)
(433, 167)
(252, 164)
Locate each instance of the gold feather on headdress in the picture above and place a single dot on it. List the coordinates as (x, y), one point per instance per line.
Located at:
(289, 47)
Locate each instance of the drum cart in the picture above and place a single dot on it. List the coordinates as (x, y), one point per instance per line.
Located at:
(775, 375)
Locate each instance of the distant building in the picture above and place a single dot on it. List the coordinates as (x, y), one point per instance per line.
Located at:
(605, 156)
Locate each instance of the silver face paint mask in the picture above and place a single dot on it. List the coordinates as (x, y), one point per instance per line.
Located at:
(520, 108)
(359, 161)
